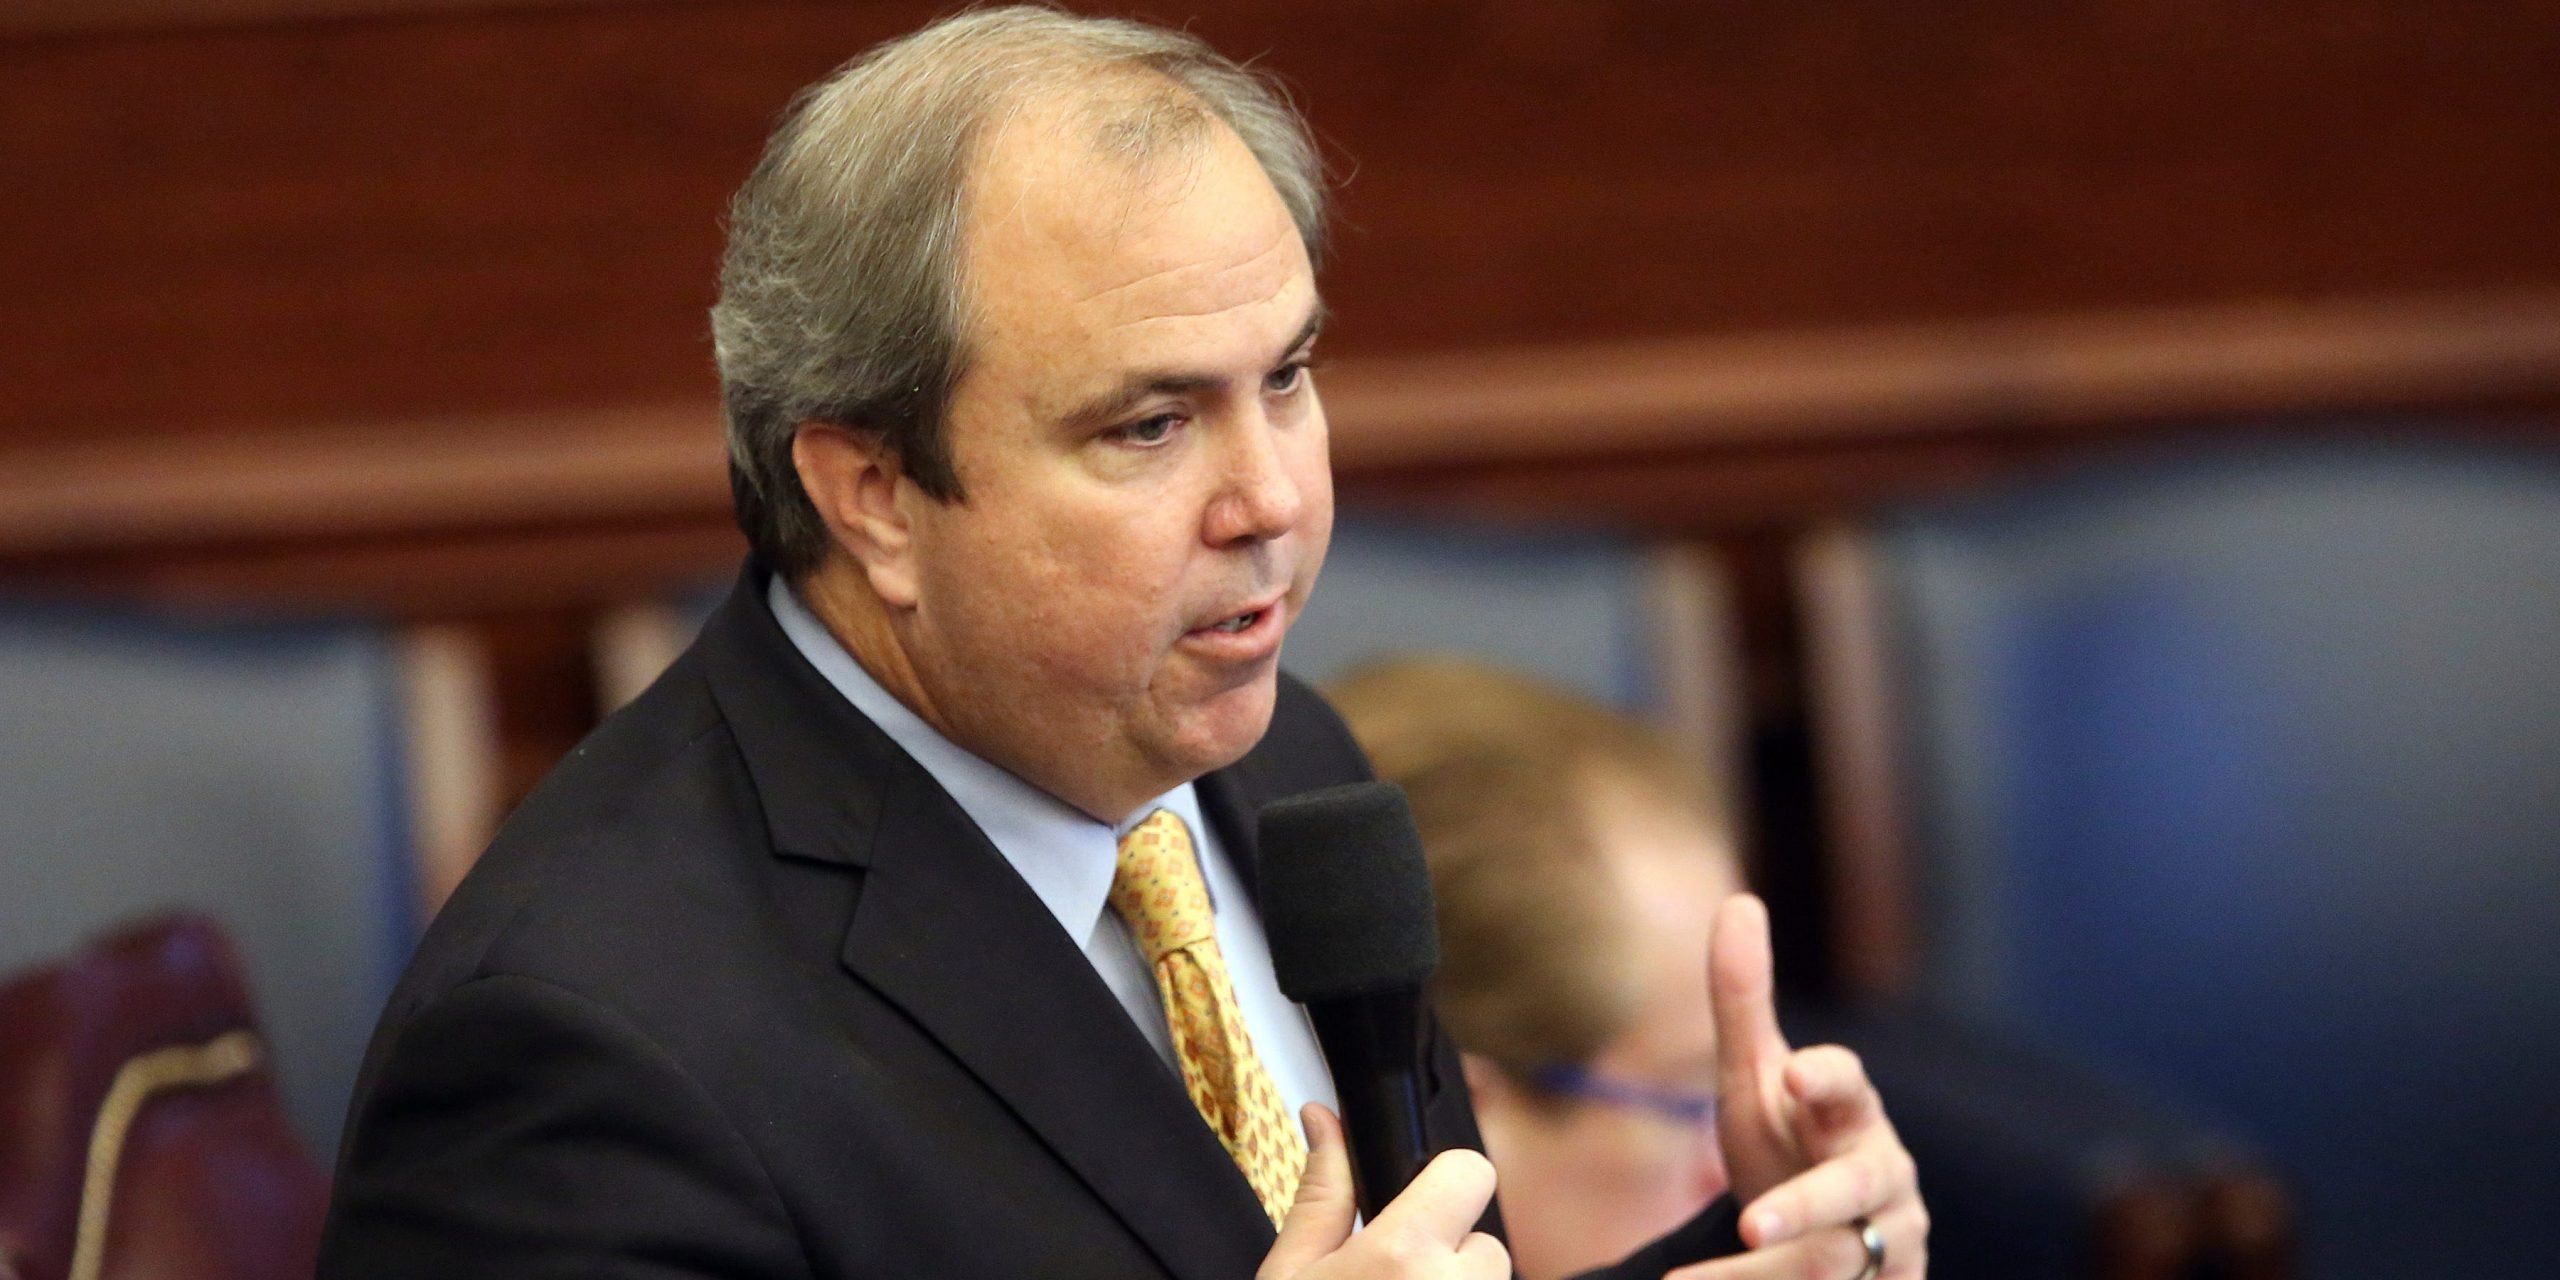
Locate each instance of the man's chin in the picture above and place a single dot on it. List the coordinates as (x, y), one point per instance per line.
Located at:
(1220, 729)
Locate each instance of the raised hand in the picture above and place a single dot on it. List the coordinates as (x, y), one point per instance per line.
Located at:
(1805, 1137)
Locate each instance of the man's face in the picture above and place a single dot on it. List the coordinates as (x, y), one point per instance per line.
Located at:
(1144, 459)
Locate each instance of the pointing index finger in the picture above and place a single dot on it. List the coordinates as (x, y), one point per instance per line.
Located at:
(1740, 986)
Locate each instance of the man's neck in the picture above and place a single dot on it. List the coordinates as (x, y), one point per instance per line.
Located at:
(844, 604)
(842, 601)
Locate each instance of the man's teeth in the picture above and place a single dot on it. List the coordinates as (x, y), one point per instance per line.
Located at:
(1237, 623)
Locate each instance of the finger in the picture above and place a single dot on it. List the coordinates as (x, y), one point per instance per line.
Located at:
(1859, 1184)
(1906, 1243)
(1739, 985)
(1836, 1096)
(1444, 1201)
(1836, 1254)
(1905, 1232)
(1481, 1257)
(1321, 1216)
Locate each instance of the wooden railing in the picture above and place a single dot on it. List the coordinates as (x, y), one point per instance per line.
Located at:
(1698, 437)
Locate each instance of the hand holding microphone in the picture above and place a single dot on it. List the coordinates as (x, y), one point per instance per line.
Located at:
(1426, 1233)
(1346, 902)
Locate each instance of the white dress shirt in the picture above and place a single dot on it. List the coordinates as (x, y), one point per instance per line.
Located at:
(1068, 858)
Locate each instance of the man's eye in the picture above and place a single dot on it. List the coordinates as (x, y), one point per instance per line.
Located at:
(1146, 431)
(1285, 379)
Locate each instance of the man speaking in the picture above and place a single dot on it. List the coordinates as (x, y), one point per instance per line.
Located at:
(906, 927)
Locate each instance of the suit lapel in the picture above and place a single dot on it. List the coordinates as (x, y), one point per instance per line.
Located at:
(945, 930)
(948, 932)
(1230, 805)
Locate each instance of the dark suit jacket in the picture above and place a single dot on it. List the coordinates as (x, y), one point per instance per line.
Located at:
(742, 992)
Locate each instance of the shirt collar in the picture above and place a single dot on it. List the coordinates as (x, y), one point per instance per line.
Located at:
(1065, 855)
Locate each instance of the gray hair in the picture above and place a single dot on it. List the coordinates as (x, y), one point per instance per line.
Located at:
(841, 295)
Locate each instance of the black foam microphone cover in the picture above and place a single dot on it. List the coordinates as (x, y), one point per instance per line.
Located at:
(1346, 903)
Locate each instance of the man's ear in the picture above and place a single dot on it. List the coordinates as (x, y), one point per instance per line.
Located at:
(855, 481)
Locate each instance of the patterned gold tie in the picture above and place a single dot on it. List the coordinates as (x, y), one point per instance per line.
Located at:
(1159, 893)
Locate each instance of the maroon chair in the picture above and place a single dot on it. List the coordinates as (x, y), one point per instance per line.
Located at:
(140, 1134)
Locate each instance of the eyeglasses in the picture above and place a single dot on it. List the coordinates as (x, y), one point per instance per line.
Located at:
(1573, 1080)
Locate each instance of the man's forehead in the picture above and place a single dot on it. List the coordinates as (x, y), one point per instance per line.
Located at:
(1109, 219)
(1059, 151)
(1068, 240)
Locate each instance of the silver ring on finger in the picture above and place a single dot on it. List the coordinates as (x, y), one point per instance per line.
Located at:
(1874, 1241)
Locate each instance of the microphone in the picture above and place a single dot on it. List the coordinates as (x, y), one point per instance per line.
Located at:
(1346, 904)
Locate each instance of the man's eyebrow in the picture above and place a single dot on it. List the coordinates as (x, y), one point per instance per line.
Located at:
(1138, 386)
(1307, 332)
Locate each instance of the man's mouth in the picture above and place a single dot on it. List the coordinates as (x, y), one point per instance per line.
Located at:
(1249, 635)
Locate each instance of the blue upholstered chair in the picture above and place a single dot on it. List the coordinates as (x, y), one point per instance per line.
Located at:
(1586, 611)
(2239, 774)
(253, 773)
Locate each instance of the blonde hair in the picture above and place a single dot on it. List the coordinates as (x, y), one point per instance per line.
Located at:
(1501, 770)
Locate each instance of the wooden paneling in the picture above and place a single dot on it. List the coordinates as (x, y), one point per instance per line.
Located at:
(35, 18)
(1586, 169)
(1793, 390)
(416, 216)
(364, 480)
(400, 304)
(375, 221)
(1689, 437)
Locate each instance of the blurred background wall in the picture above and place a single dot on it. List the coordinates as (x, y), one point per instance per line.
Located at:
(392, 313)
(397, 306)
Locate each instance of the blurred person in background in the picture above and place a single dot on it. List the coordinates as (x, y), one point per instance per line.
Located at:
(1577, 858)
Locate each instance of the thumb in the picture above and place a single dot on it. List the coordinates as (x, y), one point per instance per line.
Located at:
(1320, 1218)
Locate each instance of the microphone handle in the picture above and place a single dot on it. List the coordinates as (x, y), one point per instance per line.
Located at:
(1374, 1046)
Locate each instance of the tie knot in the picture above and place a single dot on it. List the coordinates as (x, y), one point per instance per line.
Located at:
(1157, 889)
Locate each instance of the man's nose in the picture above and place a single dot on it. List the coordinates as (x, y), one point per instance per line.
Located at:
(1259, 499)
